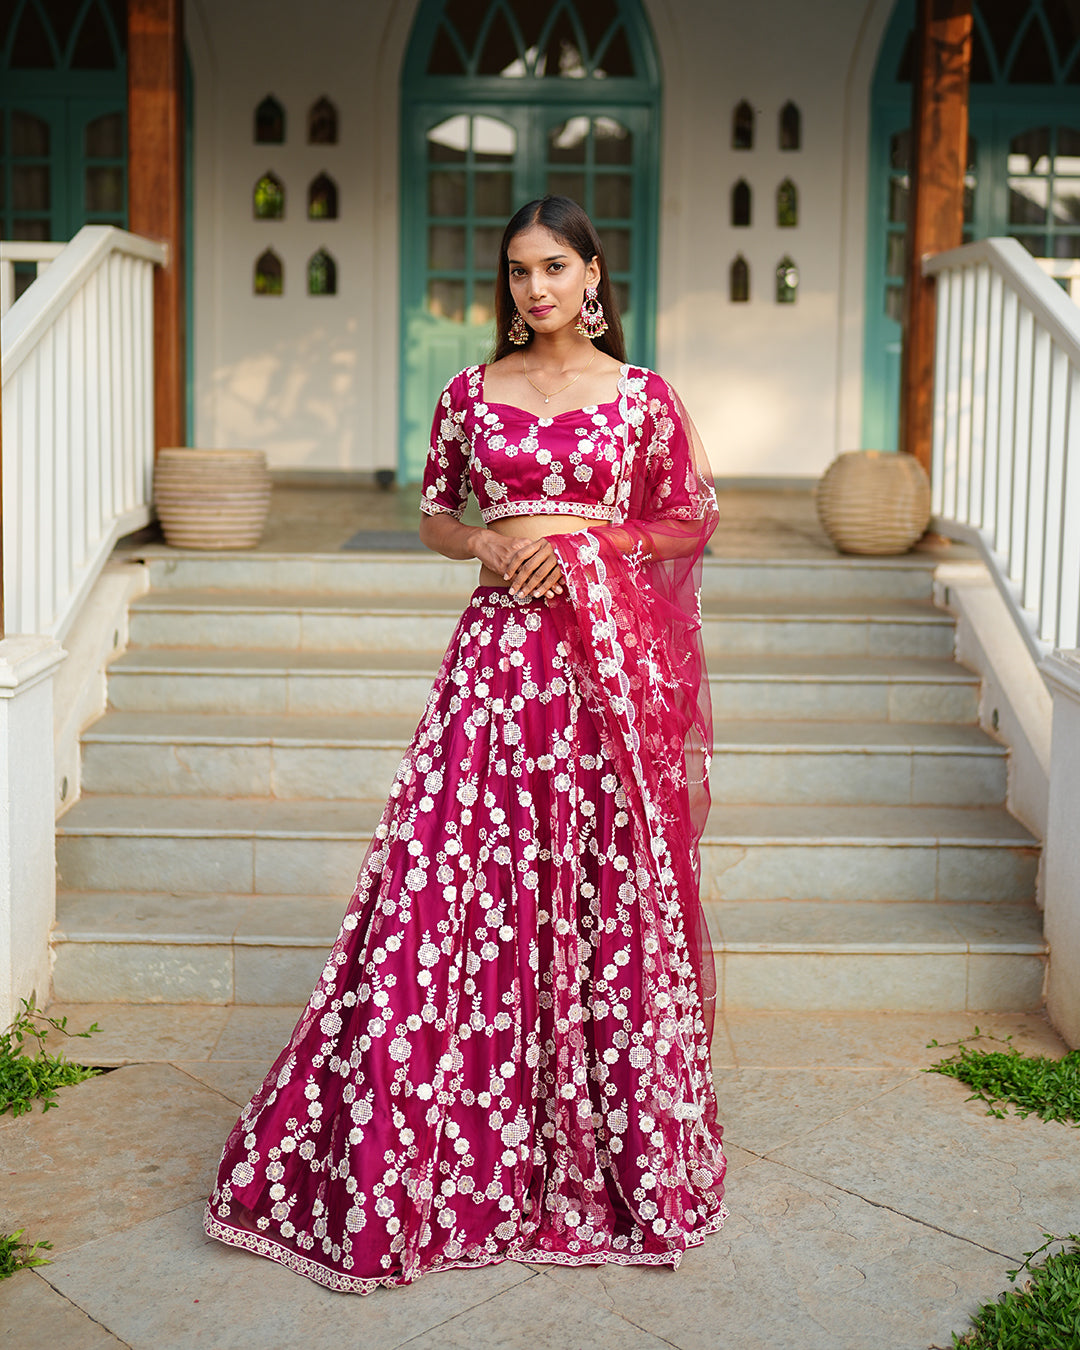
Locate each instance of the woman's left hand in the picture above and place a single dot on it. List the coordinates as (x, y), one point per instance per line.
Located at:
(536, 571)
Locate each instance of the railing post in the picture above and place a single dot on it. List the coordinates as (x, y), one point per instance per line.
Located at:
(156, 190)
(939, 133)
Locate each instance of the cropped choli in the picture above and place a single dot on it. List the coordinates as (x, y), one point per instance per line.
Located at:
(521, 464)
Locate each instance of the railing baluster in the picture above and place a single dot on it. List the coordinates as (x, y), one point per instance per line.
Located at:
(979, 361)
(1068, 617)
(1036, 498)
(965, 391)
(1053, 485)
(1021, 447)
(992, 404)
(1010, 338)
(939, 448)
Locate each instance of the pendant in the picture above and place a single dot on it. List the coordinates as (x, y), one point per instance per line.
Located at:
(547, 400)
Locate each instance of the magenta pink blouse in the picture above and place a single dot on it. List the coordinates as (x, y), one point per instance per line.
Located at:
(520, 464)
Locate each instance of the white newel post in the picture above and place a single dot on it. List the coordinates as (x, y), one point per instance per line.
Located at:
(1061, 859)
(27, 818)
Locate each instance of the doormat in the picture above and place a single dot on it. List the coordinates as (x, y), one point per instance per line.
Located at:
(385, 541)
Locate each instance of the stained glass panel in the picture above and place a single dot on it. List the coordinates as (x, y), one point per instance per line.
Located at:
(322, 123)
(787, 282)
(742, 127)
(269, 122)
(269, 198)
(787, 205)
(790, 127)
(322, 274)
(323, 198)
(269, 274)
(739, 281)
(741, 203)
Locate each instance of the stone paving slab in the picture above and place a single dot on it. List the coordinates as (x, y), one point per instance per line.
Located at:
(927, 1151)
(887, 1208)
(114, 1151)
(802, 1266)
(33, 1315)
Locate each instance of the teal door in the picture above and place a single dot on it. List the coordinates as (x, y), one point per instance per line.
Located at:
(1023, 172)
(502, 103)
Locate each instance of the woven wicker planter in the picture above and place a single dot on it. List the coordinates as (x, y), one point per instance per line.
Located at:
(873, 501)
(211, 498)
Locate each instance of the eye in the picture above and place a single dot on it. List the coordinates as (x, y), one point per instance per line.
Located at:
(556, 267)
(517, 271)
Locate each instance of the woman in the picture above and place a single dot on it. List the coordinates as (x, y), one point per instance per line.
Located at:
(507, 1054)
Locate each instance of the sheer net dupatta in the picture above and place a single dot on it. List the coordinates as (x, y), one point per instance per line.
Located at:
(631, 622)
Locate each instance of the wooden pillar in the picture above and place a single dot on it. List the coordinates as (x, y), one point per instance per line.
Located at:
(939, 134)
(156, 191)
(2, 630)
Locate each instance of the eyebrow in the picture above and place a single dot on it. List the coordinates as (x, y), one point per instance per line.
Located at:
(554, 257)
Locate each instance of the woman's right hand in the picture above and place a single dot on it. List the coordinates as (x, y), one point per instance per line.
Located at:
(528, 565)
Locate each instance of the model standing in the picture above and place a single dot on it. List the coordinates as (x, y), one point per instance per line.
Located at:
(507, 1054)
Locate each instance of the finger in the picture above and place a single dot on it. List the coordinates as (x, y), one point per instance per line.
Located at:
(543, 579)
(531, 570)
(536, 557)
(518, 555)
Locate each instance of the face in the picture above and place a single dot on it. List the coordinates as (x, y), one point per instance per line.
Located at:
(548, 279)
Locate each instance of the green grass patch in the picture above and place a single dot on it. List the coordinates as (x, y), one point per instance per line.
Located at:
(1032, 1084)
(15, 1254)
(1043, 1315)
(29, 1071)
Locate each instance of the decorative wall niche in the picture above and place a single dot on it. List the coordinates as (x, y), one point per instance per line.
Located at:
(322, 198)
(269, 122)
(741, 203)
(268, 199)
(790, 127)
(787, 281)
(787, 205)
(321, 274)
(269, 274)
(742, 127)
(739, 281)
(322, 123)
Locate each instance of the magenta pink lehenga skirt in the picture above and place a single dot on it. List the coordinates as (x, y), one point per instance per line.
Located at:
(497, 1062)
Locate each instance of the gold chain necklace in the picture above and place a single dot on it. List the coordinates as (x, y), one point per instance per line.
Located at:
(548, 397)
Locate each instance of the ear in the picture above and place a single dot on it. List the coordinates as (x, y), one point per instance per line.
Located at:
(592, 272)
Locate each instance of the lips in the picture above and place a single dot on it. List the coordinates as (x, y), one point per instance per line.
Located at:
(539, 311)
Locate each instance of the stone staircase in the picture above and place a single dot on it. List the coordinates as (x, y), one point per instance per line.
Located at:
(858, 855)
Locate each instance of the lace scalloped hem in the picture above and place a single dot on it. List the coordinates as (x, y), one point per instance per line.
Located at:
(355, 1284)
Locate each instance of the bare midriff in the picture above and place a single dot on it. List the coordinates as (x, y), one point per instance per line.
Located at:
(530, 527)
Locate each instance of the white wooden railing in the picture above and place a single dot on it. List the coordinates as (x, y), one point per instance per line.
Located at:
(1006, 457)
(78, 429)
(1066, 270)
(20, 251)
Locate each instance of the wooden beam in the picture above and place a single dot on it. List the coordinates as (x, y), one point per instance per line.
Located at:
(939, 135)
(156, 191)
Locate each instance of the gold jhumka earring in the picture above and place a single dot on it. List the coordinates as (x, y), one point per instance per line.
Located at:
(519, 330)
(592, 323)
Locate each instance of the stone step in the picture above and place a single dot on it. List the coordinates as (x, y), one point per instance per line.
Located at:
(248, 846)
(316, 621)
(155, 947)
(383, 574)
(862, 688)
(290, 757)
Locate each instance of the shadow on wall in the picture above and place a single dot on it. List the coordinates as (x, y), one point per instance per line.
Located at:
(303, 400)
(759, 379)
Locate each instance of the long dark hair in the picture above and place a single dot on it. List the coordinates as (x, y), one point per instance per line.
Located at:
(569, 224)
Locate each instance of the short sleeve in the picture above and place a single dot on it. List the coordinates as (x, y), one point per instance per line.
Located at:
(673, 488)
(446, 473)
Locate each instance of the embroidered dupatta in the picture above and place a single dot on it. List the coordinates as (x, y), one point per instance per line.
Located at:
(631, 623)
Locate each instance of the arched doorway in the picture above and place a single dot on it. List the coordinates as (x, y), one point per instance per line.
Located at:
(502, 101)
(63, 119)
(1023, 176)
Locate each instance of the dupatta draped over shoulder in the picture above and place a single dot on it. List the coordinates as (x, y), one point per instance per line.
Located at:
(631, 622)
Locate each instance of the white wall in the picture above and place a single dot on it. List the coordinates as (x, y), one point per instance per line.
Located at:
(313, 381)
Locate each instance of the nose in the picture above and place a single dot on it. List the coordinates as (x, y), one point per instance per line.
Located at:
(536, 285)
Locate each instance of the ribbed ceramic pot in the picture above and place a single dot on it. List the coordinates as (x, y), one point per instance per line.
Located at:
(873, 501)
(211, 498)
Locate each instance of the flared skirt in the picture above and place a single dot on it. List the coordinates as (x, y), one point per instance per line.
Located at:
(504, 1057)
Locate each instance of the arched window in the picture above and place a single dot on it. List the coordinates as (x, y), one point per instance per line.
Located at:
(269, 122)
(321, 274)
(742, 127)
(269, 198)
(269, 274)
(64, 36)
(739, 281)
(787, 204)
(503, 101)
(790, 127)
(322, 199)
(322, 125)
(741, 203)
(63, 110)
(787, 281)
